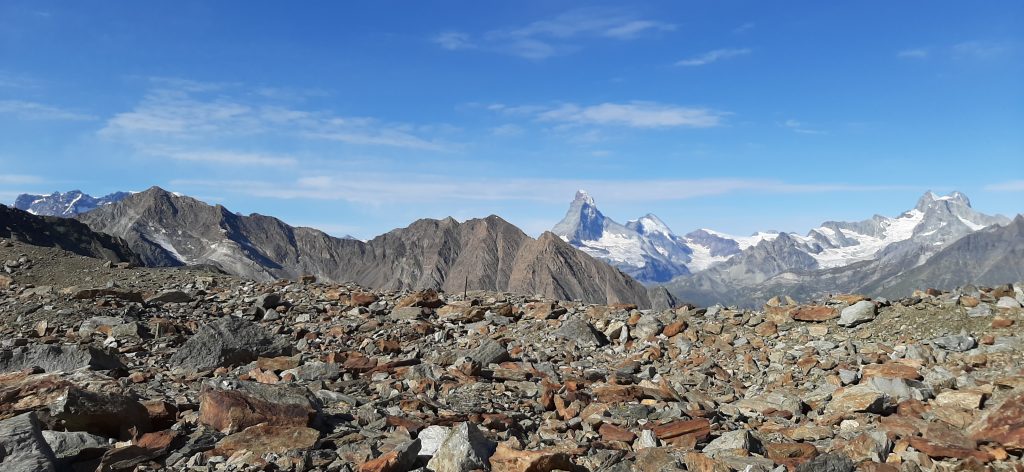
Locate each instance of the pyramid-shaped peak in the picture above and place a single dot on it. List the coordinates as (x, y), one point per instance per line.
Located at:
(584, 197)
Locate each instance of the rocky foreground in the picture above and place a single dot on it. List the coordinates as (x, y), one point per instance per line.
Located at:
(107, 367)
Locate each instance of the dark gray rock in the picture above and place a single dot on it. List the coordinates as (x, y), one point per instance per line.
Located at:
(58, 358)
(227, 342)
(581, 332)
(22, 447)
(832, 462)
(170, 296)
(489, 352)
(68, 446)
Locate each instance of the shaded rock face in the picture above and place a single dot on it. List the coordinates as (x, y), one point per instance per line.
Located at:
(22, 447)
(479, 254)
(66, 234)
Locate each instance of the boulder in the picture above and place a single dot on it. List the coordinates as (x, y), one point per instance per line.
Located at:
(507, 459)
(831, 462)
(956, 343)
(399, 459)
(489, 352)
(231, 406)
(1002, 423)
(22, 447)
(170, 296)
(580, 332)
(465, 449)
(227, 342)
(68, 446)
(265, 439)
(860, 312)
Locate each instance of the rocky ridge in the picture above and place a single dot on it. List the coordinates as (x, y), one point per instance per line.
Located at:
(118, 368)
(479, 254)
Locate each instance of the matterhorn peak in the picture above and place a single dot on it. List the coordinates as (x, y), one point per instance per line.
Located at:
(584, 197)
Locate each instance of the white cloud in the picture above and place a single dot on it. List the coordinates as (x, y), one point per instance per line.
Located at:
(196, 112)
(553, 36)
(507, 130)
(232, 158)
(635, 114)
(365, 188)
(18, 179)
(453, 40)
(713, 56)
(913, 53)
(25, 110)
(1009, 186)
(801, 127)
(981, 49)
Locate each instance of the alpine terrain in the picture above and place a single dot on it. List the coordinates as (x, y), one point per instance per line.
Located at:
(65, 204)
(165, 229)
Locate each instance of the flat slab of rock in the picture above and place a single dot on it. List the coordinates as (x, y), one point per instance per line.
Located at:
(226, 342)
(58, 358)
(581, 332)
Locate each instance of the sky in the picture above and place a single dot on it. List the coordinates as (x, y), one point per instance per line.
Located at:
(361, 117)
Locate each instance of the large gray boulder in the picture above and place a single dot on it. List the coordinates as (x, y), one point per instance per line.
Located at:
(22, 447)
(860, 312)
(227, 342)
(464, 449)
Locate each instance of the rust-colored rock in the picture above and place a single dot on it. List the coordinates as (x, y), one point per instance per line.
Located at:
(230, 411)
(610, 432)
(790, 454)
(1002, 424)
(891, 370)
(814, 313)
(507, 459)
(264, 438)
(699, 428)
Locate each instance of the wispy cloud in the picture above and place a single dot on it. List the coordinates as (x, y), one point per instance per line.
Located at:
(713, 56)
(1009, 186)
(556, 35)
(981, 49)
(232, 158)
(635, 114)
(19, 179)
(914, 53)
(25, 110)
(185, 111)
(453, 40)
(364, 188)
(801, 127)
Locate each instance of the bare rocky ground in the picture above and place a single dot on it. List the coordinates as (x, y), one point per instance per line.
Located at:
(115, 368)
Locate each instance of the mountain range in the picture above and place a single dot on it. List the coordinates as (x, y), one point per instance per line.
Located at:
(165, 229)
(64, 204)
(941, 241)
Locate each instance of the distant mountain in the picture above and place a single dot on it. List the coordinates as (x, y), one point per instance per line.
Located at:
(66, 234)
(64, 205)
(489, 253)
(863, 256)
(645, 248)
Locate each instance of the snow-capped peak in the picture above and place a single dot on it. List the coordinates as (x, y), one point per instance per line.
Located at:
(650, 224)
(66, 204)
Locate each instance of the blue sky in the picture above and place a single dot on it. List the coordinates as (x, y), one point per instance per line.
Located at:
(360, 117)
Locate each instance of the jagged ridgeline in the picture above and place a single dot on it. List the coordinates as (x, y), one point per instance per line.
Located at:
(165, 229)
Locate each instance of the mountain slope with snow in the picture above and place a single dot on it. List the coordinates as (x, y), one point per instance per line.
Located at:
(838, 255)
(645, 248)
(64, 205)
